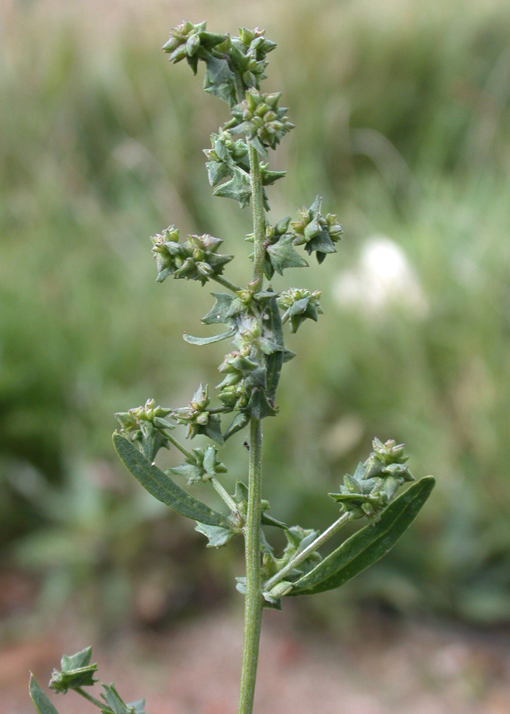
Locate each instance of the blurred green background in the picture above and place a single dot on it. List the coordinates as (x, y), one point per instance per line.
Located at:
(402, 112)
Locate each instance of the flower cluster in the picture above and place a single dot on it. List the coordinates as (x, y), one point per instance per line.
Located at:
(375, 482)
(198, 418)
(315, 232)
(299, 304)
(248, 54)
(228, 159)
(260, 118)
(202, 466)
(146, 427)
(196, 259)
(242, 374)
(187, 39)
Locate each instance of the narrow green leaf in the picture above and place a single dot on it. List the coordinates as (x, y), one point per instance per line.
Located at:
(367, 545)
(208, 340)
(274, 361)
(39, 698)
(238, 422)
(270, 521)
(161, 486)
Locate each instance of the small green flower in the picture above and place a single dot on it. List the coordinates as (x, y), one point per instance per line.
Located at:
(315, 232)
(299, 304)
(197, 417)
(196, 259)
(146, 428)
(187, 39)
(375, 482)
(203, 466)
(261, 119)
(248, 54)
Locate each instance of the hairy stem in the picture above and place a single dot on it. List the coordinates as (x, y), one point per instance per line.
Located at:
(222, 493)
(90, 698)
(253, 597)
(304, 554)
(259, 228)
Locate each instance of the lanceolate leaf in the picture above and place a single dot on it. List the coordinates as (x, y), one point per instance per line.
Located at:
(39, 698)
(367, 545)
(161, 486)
(275, 360)
(208, 340)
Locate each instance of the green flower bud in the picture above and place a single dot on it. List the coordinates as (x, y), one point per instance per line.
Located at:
(186, 40)
(315, 232)
(260, 119)
(299, 304)
(375, 482)
(196, 259)
(146, 428)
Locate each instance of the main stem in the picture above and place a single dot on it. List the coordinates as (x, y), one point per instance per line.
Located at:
(253, 598)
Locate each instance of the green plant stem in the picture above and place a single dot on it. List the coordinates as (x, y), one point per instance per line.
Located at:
(226, 283)
(259, 227)
(304, 554)
(179, 446)
(90, 698)
(224, 495)
(253, 598)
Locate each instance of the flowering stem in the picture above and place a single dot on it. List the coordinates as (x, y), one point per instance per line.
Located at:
(259, 228)
(304, 554)
(179, 446)
(253, 597)
(226, 283)
(90, 698)
(224, 495)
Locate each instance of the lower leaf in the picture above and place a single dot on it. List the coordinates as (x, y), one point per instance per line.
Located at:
(367, 545)
(161, 486)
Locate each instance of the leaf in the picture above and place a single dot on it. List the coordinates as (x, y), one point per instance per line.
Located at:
(217, 171)
(368, 545)
(238, 188)
(208, 340)
(282, 255)
(238, 422)
(219, 79)
(213, 429)
(217, 535)
(75, 661)
(270, 521)
(274, 361)
(161, 486)
(114, 701)
(39, 698)
(259, 406)
(219, 313)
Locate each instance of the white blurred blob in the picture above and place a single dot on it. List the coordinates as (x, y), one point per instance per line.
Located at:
(384, 278)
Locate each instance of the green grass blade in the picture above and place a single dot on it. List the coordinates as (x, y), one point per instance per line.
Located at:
(367, 545)
(161, 486)
(39, 698)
